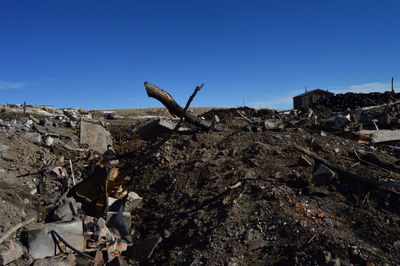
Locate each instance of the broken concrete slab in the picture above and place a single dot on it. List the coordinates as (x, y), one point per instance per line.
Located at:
(41, 244)
(95, 136)
(66, 211)
(323, 175)
(156, 128)
(10, 251)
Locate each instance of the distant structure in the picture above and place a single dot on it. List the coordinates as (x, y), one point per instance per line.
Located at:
(307, 98)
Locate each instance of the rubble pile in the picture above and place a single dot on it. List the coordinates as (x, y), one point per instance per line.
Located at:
(341, 102)
(254, 187)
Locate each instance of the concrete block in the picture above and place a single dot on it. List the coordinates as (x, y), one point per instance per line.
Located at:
(95, 136)
(41, 244)
(156, 128)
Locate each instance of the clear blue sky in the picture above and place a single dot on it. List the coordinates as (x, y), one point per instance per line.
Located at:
(97, 54)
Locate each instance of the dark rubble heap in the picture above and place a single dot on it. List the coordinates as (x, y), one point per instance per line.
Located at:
(341, 102)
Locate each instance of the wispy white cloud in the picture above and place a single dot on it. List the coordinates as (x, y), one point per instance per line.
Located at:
(6, 85)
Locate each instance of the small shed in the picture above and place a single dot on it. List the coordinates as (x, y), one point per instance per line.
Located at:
(304, 100)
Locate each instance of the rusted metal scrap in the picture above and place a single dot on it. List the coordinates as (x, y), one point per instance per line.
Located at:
(175, 109)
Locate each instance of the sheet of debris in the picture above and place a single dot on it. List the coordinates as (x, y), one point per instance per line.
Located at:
(303, 187)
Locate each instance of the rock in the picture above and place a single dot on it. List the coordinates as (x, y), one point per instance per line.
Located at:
(95, 136)
(273, 124)
(143, 249)
(61, 260)
(121, 221)
(41, 244)
(71, 116)
(66, 211)
(10, 250)
(29, 123)
(323, 175)
(4, 148)
(33, 137)
(328, 222)
(48, 141)
(132, 202)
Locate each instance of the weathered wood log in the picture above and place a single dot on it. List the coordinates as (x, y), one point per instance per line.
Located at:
(174, 108)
